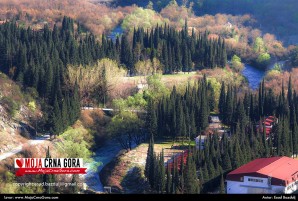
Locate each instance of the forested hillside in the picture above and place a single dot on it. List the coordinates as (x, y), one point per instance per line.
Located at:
(39, 59)
(37, 13)
(273, 16)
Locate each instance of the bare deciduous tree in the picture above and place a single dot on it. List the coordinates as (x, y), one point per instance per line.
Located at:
(95, 81)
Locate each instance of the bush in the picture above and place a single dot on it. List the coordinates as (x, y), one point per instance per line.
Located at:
(277, 67)
(10, 105)
(33, 94)
(263, 60)
(236, 64)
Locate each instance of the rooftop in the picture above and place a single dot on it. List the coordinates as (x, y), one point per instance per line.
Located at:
(278, 167)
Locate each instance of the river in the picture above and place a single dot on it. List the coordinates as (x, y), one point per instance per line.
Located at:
(117, 31)
(254, 75)
(104, 154)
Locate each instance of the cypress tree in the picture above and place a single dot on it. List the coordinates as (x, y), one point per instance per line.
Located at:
(149, 160)
(48, 178)
(151, 119)
(222, 100)
(236, 157)
(191, 181)
(56, 118)
(169, 180)
(222, 185)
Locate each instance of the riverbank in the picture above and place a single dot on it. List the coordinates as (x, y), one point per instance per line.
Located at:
(104, 155)
(255, 75)
(125, 173)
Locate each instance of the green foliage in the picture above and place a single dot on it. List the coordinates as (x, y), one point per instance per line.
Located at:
(215, 85)
(125, 121)
(277, 67)
(94, 166)
(222, 185)
(141, 18)
(125, 127)
(32, 105)
(136, 101)
(191, 180)
(150, 5)
(156, 88)
(182, 115)
(76, 143)
(263, 60)
(7, 185)
(259, 46)
(32, 93)
(10, 105)
(49, 178)
(236, 63)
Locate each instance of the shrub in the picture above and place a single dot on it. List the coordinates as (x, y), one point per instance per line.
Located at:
(10, 105)
(236, 64)
(263, 60)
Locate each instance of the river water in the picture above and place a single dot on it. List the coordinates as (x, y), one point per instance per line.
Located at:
(255, 76)
(104, 154)
(117, 31)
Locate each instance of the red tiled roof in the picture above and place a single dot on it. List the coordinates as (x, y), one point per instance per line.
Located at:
(281, 168)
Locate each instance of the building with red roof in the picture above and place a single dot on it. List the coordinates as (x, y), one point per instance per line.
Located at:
(268, 124)
(275, 175)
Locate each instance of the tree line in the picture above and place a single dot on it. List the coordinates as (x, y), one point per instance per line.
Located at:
(176, 50)
(182, 115)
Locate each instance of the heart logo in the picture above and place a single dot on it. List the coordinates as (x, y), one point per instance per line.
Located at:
(20, 162)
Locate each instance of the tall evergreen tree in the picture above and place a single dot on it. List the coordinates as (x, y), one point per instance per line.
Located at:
(48, 179)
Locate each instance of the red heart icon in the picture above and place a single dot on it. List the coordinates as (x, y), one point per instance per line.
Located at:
(20, 162)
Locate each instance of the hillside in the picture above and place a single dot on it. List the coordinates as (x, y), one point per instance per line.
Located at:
(18, 113)
(37, 13)
(274, 16)
(70, 90)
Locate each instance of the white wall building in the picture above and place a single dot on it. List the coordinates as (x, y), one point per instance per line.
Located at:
(275, 175)
(200, 142)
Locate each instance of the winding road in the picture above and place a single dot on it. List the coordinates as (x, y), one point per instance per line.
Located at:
(18, 149)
